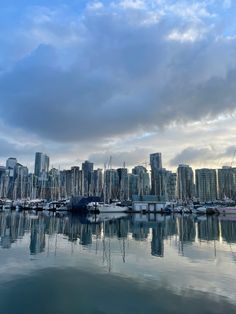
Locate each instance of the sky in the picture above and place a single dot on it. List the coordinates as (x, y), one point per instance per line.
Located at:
(93, 79)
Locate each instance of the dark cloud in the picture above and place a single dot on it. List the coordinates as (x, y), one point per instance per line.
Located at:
(14, 150)
(204, 155)
(137, 156)
(193, 155)
(124, 76)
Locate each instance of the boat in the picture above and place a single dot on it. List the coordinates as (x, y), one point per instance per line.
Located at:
(7, 206)
(203, 210)
(226, 210)
(81, 204)
(61, 205)
(200, 210)
(37, 204)
(107, 208)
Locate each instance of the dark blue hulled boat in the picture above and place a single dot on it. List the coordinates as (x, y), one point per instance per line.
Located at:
(79, 204)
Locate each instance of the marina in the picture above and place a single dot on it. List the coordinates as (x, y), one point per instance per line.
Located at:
(82, 205)
(117, 157)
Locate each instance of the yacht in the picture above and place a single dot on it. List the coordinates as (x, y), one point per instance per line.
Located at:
(107, 208)
(61, 205)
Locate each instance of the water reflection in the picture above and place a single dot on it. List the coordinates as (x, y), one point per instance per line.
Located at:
(187, 261)
(155, 230)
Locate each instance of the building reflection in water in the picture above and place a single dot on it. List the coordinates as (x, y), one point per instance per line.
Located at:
(154, 229)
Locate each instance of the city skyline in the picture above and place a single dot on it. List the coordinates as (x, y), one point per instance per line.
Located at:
(89, 79)
(108, 163)
(112, 183)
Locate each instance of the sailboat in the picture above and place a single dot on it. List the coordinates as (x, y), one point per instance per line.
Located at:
(113, 207)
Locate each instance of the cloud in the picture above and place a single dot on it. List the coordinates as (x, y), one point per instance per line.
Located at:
(193, 155)
(130, 158)
(125, 76)
(10, 149)
(109, 72)
(132, 4)
(96, 5)
(203, 156)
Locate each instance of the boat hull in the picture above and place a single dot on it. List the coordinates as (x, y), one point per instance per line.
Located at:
(227, 210)
(111, 209)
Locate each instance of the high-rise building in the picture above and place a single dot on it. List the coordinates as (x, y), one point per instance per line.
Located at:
(156, 174)
(76, 181)
(41, 166)
(206, 185)
(32, 186)
(227, 183)
(2, 172)
(20, 182)
(133, 185)
(87, 168)
(2, 181)
(123, 183)
(185, 183)
(66, 186)
(167, 184)
(10, 179)
(11, 163)
(156, 161)
(171, 178)
(97, 183)
(111, 185)
(143, 180)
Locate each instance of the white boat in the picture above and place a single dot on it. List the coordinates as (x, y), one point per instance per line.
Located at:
(36, 204)
(206, 210)
(57, 206)
(200, 210)
(7, 205)
(107, 208)
(227, 210)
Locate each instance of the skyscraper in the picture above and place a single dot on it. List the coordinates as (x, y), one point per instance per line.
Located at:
(66, 186)
(185, 184)
(156, 176)
(41, 165)
(206, 185)
(2, 181)
(87, 168)
(20, 182)
(156, 161)
(227, 182)
(171, 178)
(167, 185)
(97, 182)
(11, 163)
(76, 181)
(123, 183)
(133, 180)
(143, 180)
(111, 185)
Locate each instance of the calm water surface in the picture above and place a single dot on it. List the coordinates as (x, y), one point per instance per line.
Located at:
(135, 264)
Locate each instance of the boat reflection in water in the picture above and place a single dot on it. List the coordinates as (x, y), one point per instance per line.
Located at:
(121, 261)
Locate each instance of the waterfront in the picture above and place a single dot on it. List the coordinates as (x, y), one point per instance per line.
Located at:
(137, 264)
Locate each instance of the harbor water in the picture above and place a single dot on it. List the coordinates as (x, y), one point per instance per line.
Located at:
(132, 264)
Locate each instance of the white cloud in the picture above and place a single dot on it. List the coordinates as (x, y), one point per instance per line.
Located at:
(132, 4)
(190, 35)
(97, 5)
